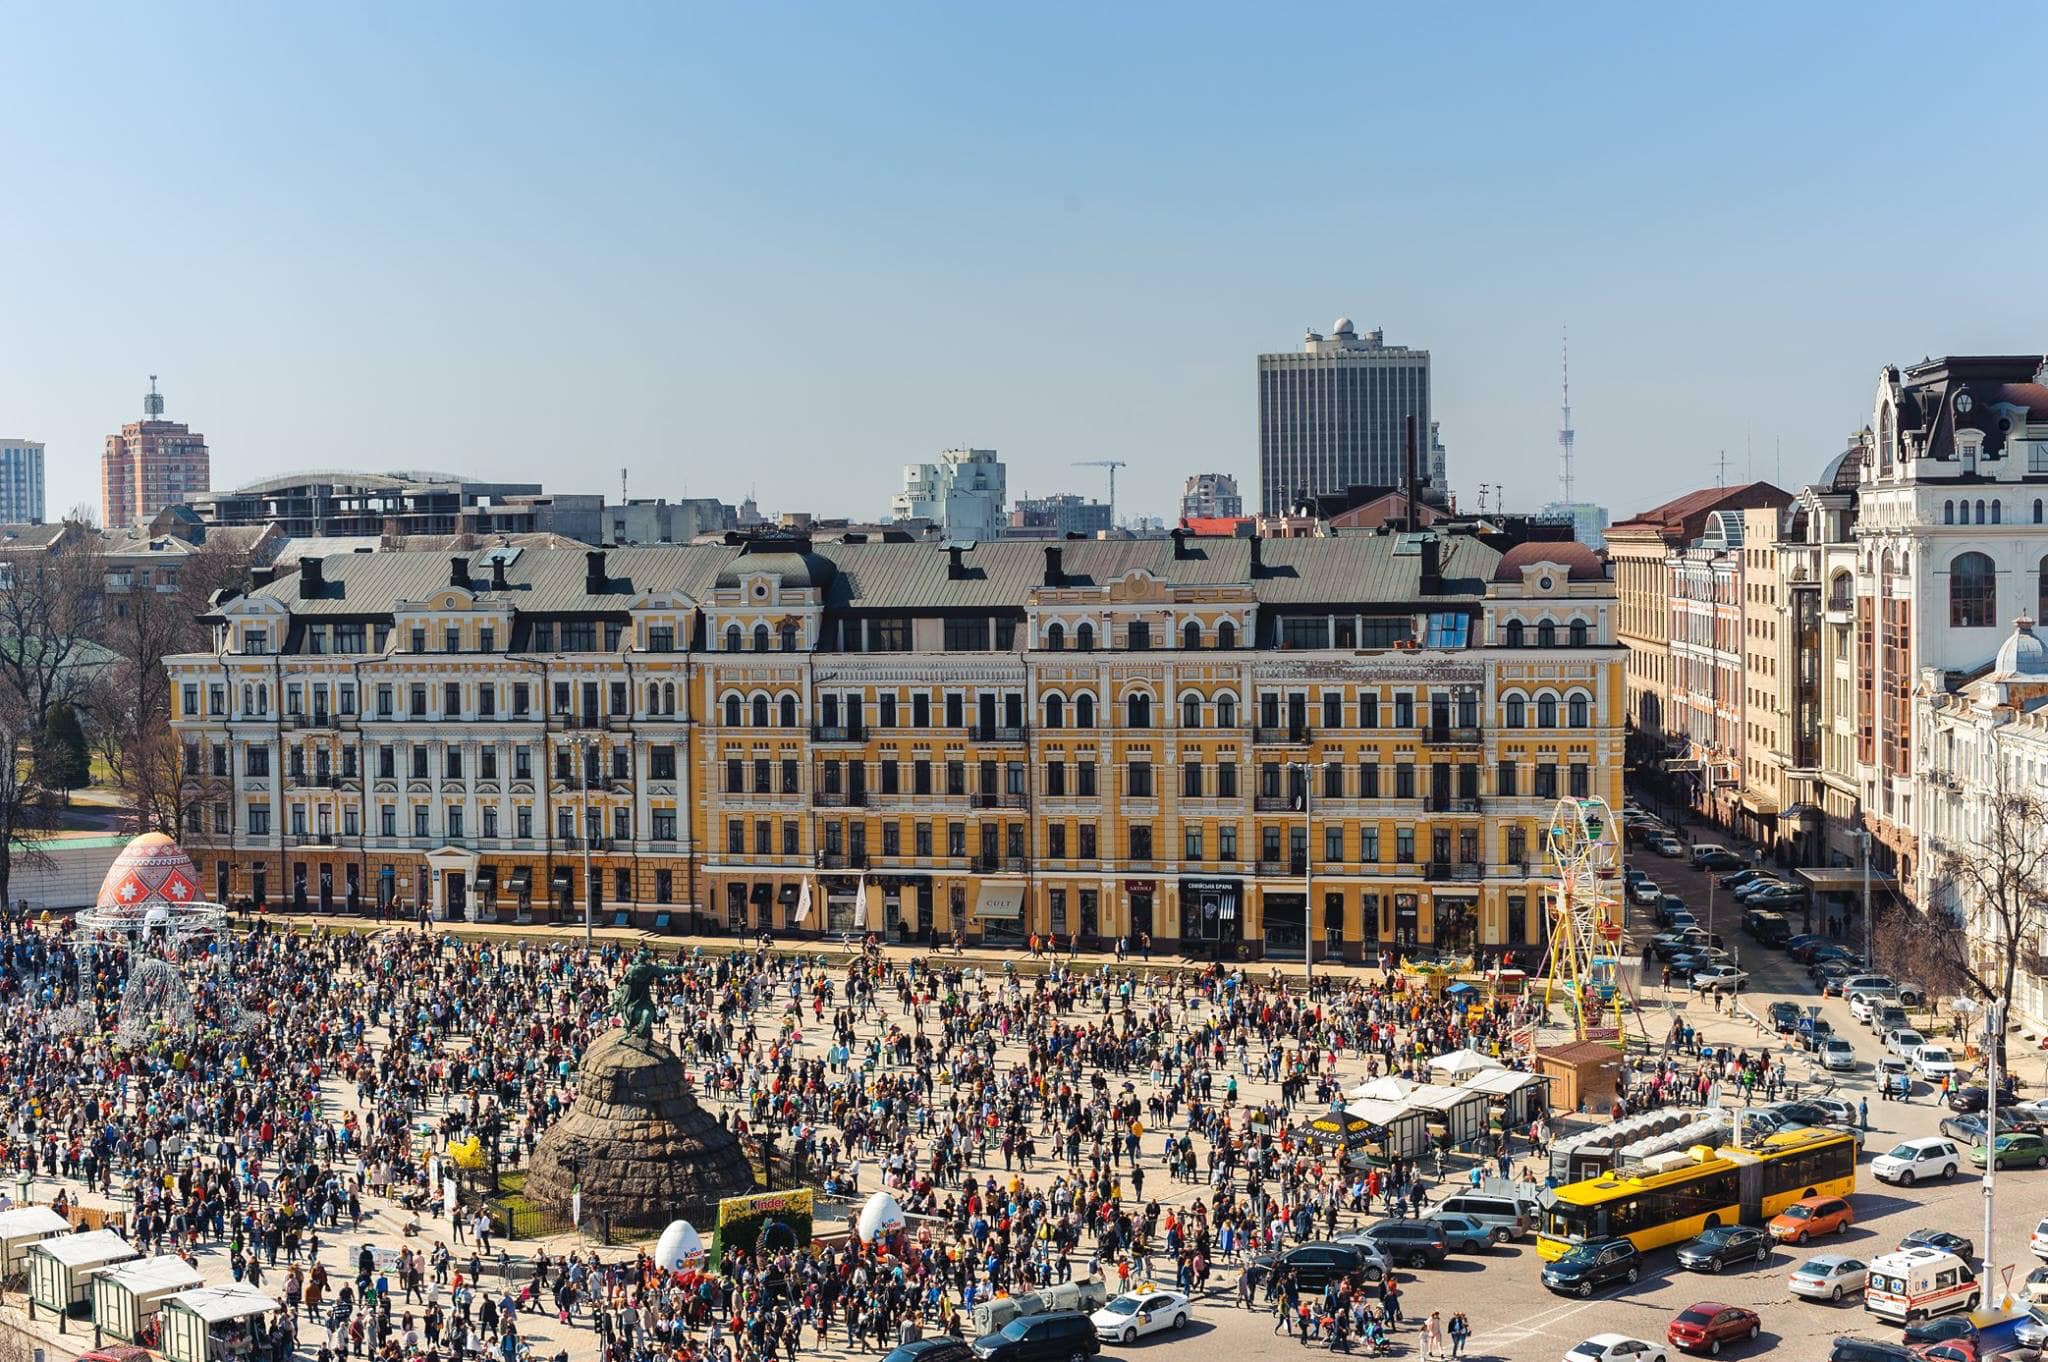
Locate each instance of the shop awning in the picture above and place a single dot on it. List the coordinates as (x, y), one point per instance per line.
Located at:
(1842, 879)
(561, 876)
(763, 893)
(998, 900)
(1802, 812)
(219, 1304)
(522, 879)
(786, 894)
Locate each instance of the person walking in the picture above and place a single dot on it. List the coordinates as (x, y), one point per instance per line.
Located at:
(1432, 1335)
(1460, 1330)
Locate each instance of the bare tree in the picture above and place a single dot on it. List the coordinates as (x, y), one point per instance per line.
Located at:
(28, 813)
(1990, 900)
(49, 613)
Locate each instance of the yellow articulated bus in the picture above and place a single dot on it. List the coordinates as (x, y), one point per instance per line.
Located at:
(1674, 1196)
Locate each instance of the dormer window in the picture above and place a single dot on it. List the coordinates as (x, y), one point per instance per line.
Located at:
(1966, 454)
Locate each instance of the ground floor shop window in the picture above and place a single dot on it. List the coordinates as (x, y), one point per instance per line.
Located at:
(1333, 923)
(1456, 928)
(1090, 901)
(1056, 911)
(1286, 924)
(1518, 920)
(1407, 921)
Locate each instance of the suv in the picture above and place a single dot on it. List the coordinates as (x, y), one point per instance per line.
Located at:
(1317, 1265)
(1870, 1350)
(1714, 856)
(1418, 1243)
(1059, 1336)
(1587, 1267)
(1504, 1217)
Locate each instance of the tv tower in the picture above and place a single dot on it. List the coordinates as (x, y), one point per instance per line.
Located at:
(1565, 433)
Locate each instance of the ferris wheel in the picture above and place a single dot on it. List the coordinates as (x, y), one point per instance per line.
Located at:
(1585, 909)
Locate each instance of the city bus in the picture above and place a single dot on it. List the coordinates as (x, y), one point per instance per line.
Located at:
(1674, 1196)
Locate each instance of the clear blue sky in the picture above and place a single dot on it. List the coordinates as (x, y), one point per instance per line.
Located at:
(793, 247)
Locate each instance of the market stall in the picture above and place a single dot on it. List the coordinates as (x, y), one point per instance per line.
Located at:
(22, 1226)
(1458, 1115)
(1521, 1097)
(1455, 1065)
(1402, 1130)
(126, 1297)
(60, 1270)
(215, 1324)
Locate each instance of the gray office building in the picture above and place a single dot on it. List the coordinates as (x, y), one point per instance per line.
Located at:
(1331, 413)
(21, 482)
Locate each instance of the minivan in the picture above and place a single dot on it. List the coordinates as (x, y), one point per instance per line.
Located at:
(1505, 1216)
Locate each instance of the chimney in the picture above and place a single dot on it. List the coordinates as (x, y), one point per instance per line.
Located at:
(310, 578)
(1258, 557)
(458, 571)
(1055, 575)
(1180, 543)
(1432, 573)
(1408, 422)
(593, 572)
(261, 577)
(954, 569)
(497, 574)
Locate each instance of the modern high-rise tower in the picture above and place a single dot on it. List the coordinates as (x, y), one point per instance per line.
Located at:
(1332, 415)
(21, 482)
(151, 464)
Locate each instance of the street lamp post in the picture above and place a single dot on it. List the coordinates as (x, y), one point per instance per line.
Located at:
(587, 749)
(1308, 878)
(1869, 929)
(1994, 1031)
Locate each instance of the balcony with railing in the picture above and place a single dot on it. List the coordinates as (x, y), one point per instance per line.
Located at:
(839, 733)
(1292, 865)
(1276, 803)
(1283, 733)
(1436, 803)
(1451, 871)
(1004, 799)
(840, 799)
(1452, 735)
(996, 732)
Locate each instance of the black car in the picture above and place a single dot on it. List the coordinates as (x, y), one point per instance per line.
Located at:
(1315, 1266)
(1961, 1247)
(932, 1350)
(1417, 1243)
(1941, 1329)
(1870, 1350)
(1711, 1250)
(1976, 1095)
(1588, 1267)
(1058, 1336)
(1784, 1017)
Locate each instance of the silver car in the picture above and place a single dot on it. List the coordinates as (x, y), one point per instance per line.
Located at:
(2032, 1330)
(1829, 1276)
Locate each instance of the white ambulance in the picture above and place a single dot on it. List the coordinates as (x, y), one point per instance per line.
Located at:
(1916, 1283)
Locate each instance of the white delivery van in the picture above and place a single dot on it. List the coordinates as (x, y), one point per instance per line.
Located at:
(1916, 1283)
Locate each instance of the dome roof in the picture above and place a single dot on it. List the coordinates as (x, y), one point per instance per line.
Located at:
(152, 869)
(796, 570)
(2021, 654)
(1343, 327)
(1580, 563)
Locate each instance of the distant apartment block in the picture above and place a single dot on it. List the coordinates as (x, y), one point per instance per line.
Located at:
(1057, 516)
(1334, 414)
(21, 482)
(964, 493)
(151, 464)
(1209, 496)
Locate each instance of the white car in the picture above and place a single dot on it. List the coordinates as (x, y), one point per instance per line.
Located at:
(1932, 1063)
(1830, 1276)
(1646, 892)
(1137, 1313)
(1837, 1054)
(1929, 1157)
(1616, 1348)
(1905, 1043)
(1863, 1003)
(2038, 1241)
(1718, 978)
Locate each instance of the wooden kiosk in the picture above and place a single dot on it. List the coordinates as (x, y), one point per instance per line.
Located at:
(215, 1323)
(60, 1270)
(22, 1226)
(126, 1297)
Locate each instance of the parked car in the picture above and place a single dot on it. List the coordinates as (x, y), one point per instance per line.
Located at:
(1589, 1266)
(2032, 1329)
(1714, 856)
(1664, 844)
(941, 1349)
(1316, 1265)
(1505, 1217)
(1811, 1216)
(1802, 946)
(1814, 1031)
(1829, 1276)
(1749, 874)
(2021, 1149)
(1974, 1096)
(1837, 1055)
(1940, 1329)
(1645, 892)
(1912, 994)
(1932, 1063)
(1868, 980)
(1058, 1336)
(1894, 1077)
(1714, 1249)
(1135, 1314)
(1704, 1327)
(1615, 1348)
(1718, 979)
(1416, 1243)
(1869, 1350)
(1904, 1042)
(1969, 1127)
(1462, 1233)
(1961, 1246)
(1784, 1017)
(1890, 1017)
(1912, 1160)
(1866, 1003)
(1823, 1111)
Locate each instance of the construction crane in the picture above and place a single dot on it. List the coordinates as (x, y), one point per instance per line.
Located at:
(1112, 465)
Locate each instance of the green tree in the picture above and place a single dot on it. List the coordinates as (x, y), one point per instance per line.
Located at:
(62, 760)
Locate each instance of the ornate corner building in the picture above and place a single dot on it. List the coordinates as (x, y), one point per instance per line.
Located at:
(1235, 746)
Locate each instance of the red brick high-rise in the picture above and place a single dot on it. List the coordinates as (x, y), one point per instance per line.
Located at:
(151, 464)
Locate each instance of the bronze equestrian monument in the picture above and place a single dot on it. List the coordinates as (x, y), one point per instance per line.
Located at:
(644, 1151)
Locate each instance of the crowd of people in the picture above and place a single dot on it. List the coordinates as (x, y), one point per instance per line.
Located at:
(1074, 1122)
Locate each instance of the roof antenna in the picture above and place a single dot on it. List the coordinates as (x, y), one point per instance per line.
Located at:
(153, 405)
(622, 486)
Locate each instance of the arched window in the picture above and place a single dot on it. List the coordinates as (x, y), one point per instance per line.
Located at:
(653, 697)
(732, 711)
(1972, 591)
(1885, 448)
(732, 638)
(1191, 711)
(1055, 637)
(760, 638)
(1055, 709)
(1518, 713)
(1578, 633)
(1546, 634)
(1963, 518)
(1997, 512)
(2041, 602)
(1575, 711)
(1546, 711)
(1226, 709)
(1084, 710)
(1514, 633)
(1226, 635)
(788, 636)
(1191, 636)
(1084, 637)
(1948, 512)
(760, 711)
(1980, 510)
(2037, 510)
(788, 708)
(1138, 711)
(668, 697)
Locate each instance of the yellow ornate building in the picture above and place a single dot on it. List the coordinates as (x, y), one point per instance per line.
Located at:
(1239, 746)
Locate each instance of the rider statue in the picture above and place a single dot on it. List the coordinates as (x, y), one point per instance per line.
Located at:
(634, 997)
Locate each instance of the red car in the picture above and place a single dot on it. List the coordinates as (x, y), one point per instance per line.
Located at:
(1704, 1327)
(1949, 1350)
